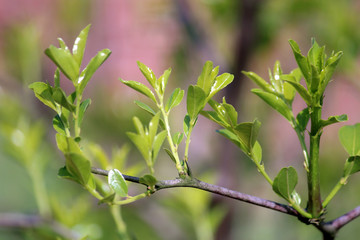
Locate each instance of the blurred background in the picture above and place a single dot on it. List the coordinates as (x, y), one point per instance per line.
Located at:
(236, 35)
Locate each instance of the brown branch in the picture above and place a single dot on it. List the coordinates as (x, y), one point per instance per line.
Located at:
(195, 183)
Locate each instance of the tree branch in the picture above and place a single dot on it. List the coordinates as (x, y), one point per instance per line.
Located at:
(195, 183)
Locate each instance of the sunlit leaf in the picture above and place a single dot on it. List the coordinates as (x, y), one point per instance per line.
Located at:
(79, 45)
(195, 101)
(117, 182)
(174, 99)
(259, 81)
(302, 119)
(61, 99)
(83, 106)
(149, 180)
(257, 153)
(302, 61)
(163, 79)
(43, 92)
(158, 141)
(141, 88)
(64, 61)
(275, 102)
(145, 107)
(334, 119)
(90, 69)
(300, 89)
(148, 74)
(141, 144)
(57, 78)
(220, 83)
(78, 166)
(206, 78)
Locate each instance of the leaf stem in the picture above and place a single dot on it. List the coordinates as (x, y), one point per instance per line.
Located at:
(333, 192)
(120, 225)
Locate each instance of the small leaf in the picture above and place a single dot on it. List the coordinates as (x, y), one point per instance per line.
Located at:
(177, 138)
(186, 124)
(289, 90)
(170, 154)
(247, 134)
(330, 66)
(174, 99)
(43, 92)
(90, 69)
(108, 199)
(145, 107)
(153, 126)
(315, 79)
(275, 80)
(350, 139)
(257, 153)
(141, 144)
(141, 88)
(61, 99)
(232, 137)
(58, 125)
(300, 89)
(64, 173)
(316, 55)
(79, 45)
(163, 79)
(301, 61)
(275, 102)
(285, 182)
(206, 79)
(302, 119)
(117, 183)
(195, 101)
(57, 78)
(220, 83)
(148, 180)
(64, 61)
(83, 106)
(78, 166)
(148, 74)
(158, 141)
(259, 81)
(333, 119)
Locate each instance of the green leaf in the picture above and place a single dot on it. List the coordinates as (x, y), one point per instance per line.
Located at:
(285, 182)
(232, 137)
(186, 124)
(108, 199)
(83, 106)
(64, 173)
(141, 144)
(333, 119)
(174, 99)
(43, 92)
(302, 61)
(79, 45)
(352, 165)
(148, 180)
(148, 74)
(289, 90)
(153, 126)
(57, 78)
(177, 138)
(59, 125)
(247, 134)
(63, 45)
(78, 166)
(141, 88)
(145, 107)
(350, 139)
(90, 69)
(64, 61)
(206, 79)
(214, 116)
(302, 119)
(316, 55)
(275, 80)
(299, 88)
(158, 141)
(220, 83)
(259, 81)
(195, 101)
(117, 183)
(67, 144)
(257, 153)
(327, 73)
(163, 79)
(275, 102)
(60, 98)
(315, 79)
(170, 154)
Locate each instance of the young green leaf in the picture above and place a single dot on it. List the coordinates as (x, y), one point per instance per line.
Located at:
(316, 55)
(275, 80)
(158, 141)
(302, 61)
(174, 99)
(61, 99)
(247, 134)
(289, 90)
(148, 74)
(117, 183)
(141, 144)
(64, 61)
(59, 125)
(149, 180)
(195, 101)
(141, 88)
(177, 138)
(299, 88)
(153, 126)
(44, 93)
(220, 83)
(83, 106)
(206, 79)
(275, 102)
(108, 199)
(186, 124)
(57, 78)
(78, 166)
(259, 81)
(350, 139)
(170, 155)
(63, 45)
(333, 119)
(285, 182)
(315, 79)
(90, 69)
(234, 138)
(302, 119)
(256, 153)
(79, 45)
(327, 73)
(64, 173)
(163, 79)
(145, 107)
